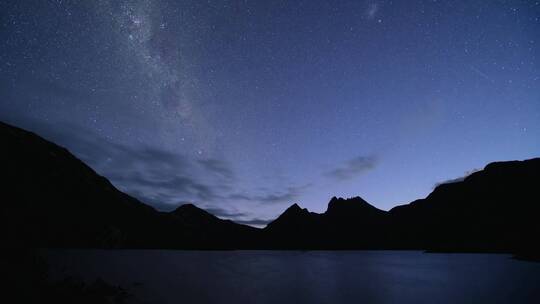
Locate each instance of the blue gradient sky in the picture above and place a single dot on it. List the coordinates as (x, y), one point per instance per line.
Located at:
(245, 107)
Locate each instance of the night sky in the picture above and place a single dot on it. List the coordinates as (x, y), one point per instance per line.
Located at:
(245, 107)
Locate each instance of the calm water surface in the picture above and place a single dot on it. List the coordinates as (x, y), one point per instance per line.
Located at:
(163, 276)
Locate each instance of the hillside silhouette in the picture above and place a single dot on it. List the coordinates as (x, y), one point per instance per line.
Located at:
(52, 199)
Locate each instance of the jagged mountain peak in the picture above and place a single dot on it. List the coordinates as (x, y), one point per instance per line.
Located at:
(70, 205)
(347, 206)
(194, 215)
(294, 211)
(295, 208)
(189, 207)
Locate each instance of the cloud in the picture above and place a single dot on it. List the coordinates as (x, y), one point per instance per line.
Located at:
(220, 212)
(238, 217)
(450, 181)
(353, 168)
(457, 179)
(372, 10)
(289, 194)
(155, 176)
(161, 178)
(217, 166)
(164, 187)
(255, 222)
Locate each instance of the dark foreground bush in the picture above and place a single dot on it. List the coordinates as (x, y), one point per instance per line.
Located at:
(25, 279)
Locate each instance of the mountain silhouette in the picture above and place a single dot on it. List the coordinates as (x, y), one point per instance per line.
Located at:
(52, 199)
(495, 209)
(212, 232)
(492, 210)
(346, 224)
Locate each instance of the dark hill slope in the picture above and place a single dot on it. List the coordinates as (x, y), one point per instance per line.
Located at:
(496, 209)
(211, 232)
(52, 199)
(493, 210)
(346, 224)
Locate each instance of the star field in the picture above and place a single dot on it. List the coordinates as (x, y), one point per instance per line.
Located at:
(245, 107)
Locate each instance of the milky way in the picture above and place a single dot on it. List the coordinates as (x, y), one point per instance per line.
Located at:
(245, 107)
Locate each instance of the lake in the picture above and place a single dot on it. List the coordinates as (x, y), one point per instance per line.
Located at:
(168, 276)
